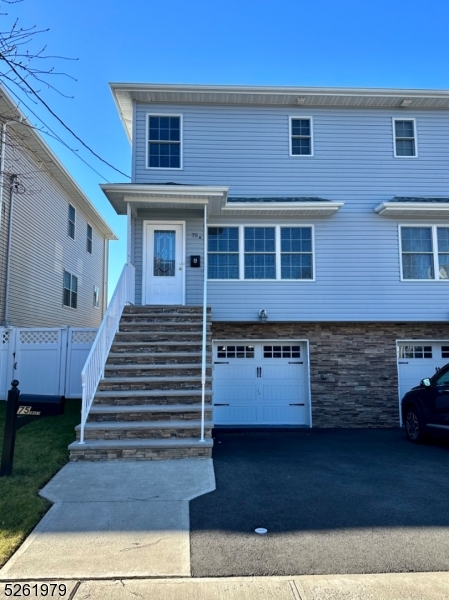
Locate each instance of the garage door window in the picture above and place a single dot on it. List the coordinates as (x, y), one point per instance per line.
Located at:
(282, 352)
(415, 351)
(235, 352)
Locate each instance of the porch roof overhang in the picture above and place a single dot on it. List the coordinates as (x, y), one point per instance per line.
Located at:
(415, 207)
(141, 196)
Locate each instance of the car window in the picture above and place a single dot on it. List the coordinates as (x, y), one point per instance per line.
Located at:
(442, 379)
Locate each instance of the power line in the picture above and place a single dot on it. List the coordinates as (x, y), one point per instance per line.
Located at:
(11, 66)
(55, 135)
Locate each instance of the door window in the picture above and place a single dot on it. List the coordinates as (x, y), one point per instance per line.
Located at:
(164, 253)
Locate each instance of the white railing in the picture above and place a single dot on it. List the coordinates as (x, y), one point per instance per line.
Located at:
(204, 342)
(93, 370)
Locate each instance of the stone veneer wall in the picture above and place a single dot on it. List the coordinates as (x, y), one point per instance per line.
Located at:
(353, 367)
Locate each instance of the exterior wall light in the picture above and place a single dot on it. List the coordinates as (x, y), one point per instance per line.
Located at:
(263, 315)
(406, 102)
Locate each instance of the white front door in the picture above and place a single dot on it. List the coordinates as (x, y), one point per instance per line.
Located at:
(163, 279)
(262, 383)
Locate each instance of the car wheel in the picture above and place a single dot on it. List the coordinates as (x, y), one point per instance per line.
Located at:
(414, 426)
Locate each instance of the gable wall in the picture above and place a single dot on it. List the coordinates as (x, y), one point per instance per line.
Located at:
(42, 250)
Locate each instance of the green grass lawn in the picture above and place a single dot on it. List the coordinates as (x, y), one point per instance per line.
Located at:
(41, 450)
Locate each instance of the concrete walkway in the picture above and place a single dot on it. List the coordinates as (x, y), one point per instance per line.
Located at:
(393, 586)
(114, 519)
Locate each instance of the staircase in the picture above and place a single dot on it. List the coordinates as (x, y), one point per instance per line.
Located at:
(148, 406)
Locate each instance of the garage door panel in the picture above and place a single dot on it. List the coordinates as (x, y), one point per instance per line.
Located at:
(235, 415)
(282, 393)
(281, 414)
(418, 360)
(236, 393)
(231, 371)
(279, 371)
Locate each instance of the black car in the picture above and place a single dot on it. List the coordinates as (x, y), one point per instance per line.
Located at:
(425, 408)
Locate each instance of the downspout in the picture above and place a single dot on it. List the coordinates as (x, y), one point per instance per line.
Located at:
(203, 358)
(12, 189)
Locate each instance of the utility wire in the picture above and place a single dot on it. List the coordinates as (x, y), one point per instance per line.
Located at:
(11, 66)
(55, 135)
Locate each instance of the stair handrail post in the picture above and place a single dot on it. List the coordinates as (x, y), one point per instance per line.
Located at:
(203, 350)
(93, 370)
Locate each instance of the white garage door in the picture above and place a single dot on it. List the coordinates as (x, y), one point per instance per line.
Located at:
(417, 360)
(262, 383)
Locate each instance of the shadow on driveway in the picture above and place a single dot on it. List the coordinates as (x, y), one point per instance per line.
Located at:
(333, 501)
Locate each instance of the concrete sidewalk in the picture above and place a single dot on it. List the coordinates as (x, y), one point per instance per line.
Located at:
(114, 519)
(396, 586)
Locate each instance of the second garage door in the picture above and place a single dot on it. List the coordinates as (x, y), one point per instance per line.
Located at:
(261, 383)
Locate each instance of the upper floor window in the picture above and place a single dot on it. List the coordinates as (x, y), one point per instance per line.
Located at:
(301, 143)
(71, 224)
(425, 252)
(256, 252)
(89, 239)
(404, 138)
(164, 142)
(70, 290)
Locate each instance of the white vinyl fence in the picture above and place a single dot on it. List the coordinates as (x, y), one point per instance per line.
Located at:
(45, 360)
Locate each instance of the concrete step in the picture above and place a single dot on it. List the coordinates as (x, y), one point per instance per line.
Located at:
(170, 370)
(162, 325)
(157, 346)
(152, 383)
(151, 317)
(123, 430)
(158, 358)
(160, 337)
(147, 397)
(96, 450)
(149, 412)
(165, 309)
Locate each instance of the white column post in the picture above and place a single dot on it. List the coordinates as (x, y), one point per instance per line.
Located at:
(128, 240)
(203, 365)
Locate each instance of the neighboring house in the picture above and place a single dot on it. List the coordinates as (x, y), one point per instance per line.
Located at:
(53, 242)
(323, 212)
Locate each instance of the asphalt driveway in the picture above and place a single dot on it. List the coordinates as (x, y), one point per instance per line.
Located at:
(333, 501)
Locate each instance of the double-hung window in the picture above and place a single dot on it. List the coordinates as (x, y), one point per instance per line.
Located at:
(223, 253)
(70, 290)
(164, 142)
(260, 253)
(71, 222)
(404, 138)
(425, 252)
(89, 239)
(301, 141)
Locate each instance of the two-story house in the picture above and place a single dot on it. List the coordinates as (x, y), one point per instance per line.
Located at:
(314, 222)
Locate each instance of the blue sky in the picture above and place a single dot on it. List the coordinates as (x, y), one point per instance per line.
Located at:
(284, 42)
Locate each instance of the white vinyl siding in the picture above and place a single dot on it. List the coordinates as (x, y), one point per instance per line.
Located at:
(42, 250)
(357, 259)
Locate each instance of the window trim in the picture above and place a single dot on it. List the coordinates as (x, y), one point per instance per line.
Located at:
(277, 237)
(436, 270)
(91, 238)
(290, 137)
(70, 289)
(415, 136)
(69, 221)
(181, 141)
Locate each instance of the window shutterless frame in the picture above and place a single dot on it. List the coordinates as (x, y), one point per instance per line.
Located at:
(435, 252)
(395, 139)
(278, 251)
(89, 233)
(71, 221)
(291, 136)
(147, 142)
(70, 290)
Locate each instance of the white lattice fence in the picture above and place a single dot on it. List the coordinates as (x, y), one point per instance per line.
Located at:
(44, 360)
